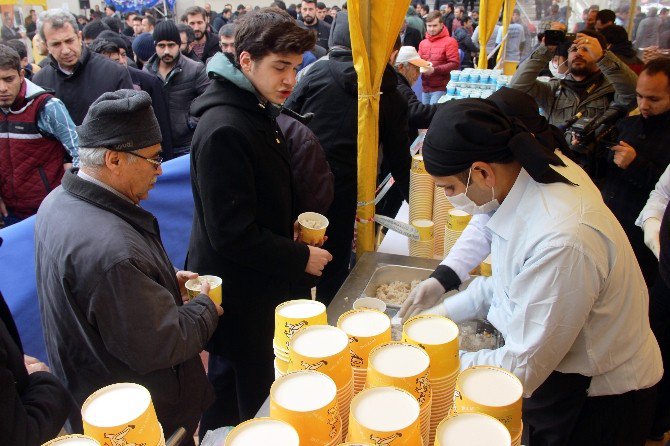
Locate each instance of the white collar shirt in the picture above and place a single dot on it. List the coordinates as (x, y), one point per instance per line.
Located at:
(566, 293)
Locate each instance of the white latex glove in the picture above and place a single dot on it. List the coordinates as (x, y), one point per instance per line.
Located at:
(652, 229)
(424, 296)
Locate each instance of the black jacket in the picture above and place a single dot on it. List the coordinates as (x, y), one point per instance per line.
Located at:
(312, 178)
(412, 38)
(152, 85)
(211, 46)
(244, 212)
(466, 45)
(420, 114)
(626, 191)
(187, 80)
(110, 303)
(329, 90)
(33, 408)
(322, 30)
(93, 76)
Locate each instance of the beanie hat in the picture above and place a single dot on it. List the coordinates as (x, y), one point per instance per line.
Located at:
(143, 46)
(167, 30)
(121, 120)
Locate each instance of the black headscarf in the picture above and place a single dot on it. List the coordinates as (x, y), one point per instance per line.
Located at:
(517, 104)
(469, 130)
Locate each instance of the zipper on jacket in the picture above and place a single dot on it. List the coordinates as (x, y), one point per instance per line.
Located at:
(43, 176)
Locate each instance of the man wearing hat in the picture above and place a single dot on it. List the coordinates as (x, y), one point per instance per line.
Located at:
(566, 291)
(183, 81)
(111, 303)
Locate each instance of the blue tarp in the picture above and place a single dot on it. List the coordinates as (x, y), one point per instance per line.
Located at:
(170, 201)
(138, 5)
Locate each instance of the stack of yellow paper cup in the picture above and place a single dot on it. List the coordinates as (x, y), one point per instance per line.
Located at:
(122, 411)
(458, 221)
(472, 429)
(358, 443)
(493, 391)
(72, 440)
(325, 349)
(441, 208)
(193, 288)
(263, 431)
(290, 317)
(405, 366)
(438, 336)
(421, 187)
(425, 246)
(366, 329)
(485, 268)
(385, 416)
(307, 400)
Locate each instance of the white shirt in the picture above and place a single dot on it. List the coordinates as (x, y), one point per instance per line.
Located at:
(471, 248)
(566, 293)
(658, 200)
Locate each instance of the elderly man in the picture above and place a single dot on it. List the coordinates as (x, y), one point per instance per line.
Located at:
(566, 291)
(110, 300)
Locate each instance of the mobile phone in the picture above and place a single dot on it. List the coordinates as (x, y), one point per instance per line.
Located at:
(570, 37)
(553, 37)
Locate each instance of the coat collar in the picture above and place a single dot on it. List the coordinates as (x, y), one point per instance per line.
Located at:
(104, 199)
(503, 222)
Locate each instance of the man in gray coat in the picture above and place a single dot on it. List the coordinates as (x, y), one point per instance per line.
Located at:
(596, 80)
(183, 81)
(110, 300)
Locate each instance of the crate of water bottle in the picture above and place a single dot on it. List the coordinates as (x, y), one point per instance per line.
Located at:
(502, 81)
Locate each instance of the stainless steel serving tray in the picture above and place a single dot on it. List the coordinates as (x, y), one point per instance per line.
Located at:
(389, 273)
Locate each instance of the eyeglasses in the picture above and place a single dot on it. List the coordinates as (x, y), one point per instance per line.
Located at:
(156, 160)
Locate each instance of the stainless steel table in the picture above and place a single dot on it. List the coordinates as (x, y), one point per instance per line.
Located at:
(355, 284)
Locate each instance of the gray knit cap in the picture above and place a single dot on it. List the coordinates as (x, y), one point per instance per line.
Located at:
(121, 120)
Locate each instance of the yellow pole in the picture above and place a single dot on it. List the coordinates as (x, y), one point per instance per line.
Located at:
(631, 19)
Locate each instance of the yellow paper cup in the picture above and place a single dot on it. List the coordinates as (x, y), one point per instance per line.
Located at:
(122, 411)
(385, 415)
(312, 227)
(322, 348)
(281, 365)
(72, 440)
(370, 303)
(493, 391)
(261, 431)
(358, 443)
(425, 228)
(193, 288)
(438, 336)
(307, 401)
(366, 330)
(293, 315)
(485, 267)
(401, 365)
(418, 165)
(458, 220)
(472, 428)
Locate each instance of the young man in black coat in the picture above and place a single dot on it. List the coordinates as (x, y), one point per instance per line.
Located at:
(206, 43)
(243, 225)
(330, 90)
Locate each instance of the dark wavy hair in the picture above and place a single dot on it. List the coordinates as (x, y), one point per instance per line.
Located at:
(271, 30)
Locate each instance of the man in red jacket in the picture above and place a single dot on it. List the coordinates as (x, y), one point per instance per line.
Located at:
(441, 51)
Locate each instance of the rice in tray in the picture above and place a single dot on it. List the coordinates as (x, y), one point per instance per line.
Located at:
(471, 341)
(395, 293)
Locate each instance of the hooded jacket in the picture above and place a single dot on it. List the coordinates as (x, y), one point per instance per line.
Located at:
(187, 80)
(244, 211)
(442, 51)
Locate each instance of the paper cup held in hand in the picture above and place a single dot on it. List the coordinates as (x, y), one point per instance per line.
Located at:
(313, 227)
(121, 411)
(193, 288)
(72, 440)
(261, 431)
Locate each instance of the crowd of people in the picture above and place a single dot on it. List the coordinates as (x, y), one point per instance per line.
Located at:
(264, 102)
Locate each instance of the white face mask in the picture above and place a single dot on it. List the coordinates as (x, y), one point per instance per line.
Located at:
(554, 70)
(463, 203)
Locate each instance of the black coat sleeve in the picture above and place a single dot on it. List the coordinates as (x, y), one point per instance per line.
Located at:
(420, 114)
(393, 135)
